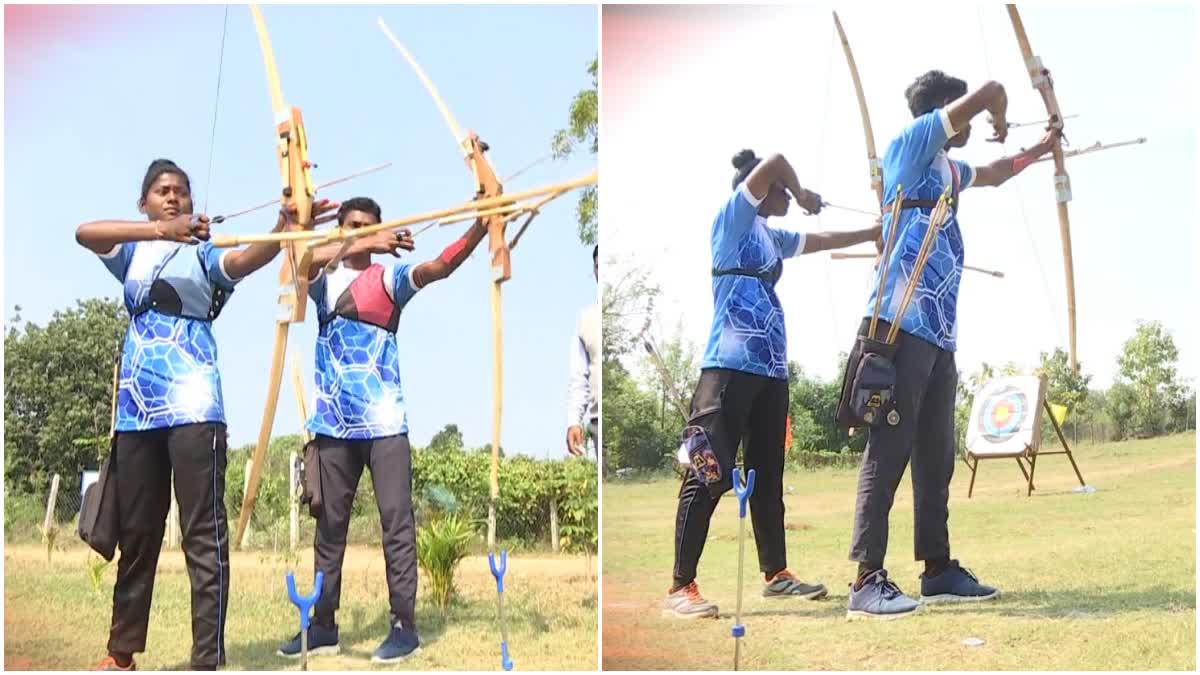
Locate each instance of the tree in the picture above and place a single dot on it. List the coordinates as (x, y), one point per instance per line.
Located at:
(634, 435)
(627, 299)
(1063, 385)
(582, 130)
(448, 439)
(58, 391)
(1147, 366)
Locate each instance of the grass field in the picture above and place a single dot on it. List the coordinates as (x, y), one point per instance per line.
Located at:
(55, 620)
(1102, 581)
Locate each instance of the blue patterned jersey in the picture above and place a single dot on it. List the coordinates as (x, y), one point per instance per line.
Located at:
(358, 367)
(168, 363)
(747, 329)
(916, 159)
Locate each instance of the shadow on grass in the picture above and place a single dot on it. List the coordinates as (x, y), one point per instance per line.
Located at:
(1076, 604)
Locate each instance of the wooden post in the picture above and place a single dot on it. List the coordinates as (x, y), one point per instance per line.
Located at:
(293, 501)
(554, 524)
(50, 502)
(245, 541)
(49, 526)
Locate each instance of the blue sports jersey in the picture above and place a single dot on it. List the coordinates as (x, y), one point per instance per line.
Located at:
(358, 367)
(747, 329)
(916, 160)
(168, 371)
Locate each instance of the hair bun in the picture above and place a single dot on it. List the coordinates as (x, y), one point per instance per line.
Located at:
(743, 158)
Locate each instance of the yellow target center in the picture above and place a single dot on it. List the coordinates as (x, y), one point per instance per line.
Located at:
(1001, 415)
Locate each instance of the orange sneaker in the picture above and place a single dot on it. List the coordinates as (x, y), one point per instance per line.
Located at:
(687, 603)
(785, 585)
(110, 663)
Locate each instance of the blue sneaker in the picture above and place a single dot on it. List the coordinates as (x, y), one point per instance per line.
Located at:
(399, 644)
(955, 584)
(321, 640)
(879, 598)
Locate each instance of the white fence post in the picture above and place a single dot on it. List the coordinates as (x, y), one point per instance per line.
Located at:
(293, 501)
(49, 526)
(554, 524)
(48, 522)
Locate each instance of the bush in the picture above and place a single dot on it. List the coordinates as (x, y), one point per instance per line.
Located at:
(441, 545)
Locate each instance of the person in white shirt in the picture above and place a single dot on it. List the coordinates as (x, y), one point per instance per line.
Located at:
(582, 405)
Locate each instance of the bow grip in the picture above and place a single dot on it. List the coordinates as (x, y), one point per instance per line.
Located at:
(304, 603)
(498, 573)
(742, 490)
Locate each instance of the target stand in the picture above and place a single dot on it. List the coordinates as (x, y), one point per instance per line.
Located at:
(1006, 423)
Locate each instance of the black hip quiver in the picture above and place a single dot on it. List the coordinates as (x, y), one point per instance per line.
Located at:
(869, 382)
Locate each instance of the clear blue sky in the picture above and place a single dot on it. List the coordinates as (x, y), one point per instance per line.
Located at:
(93, 94)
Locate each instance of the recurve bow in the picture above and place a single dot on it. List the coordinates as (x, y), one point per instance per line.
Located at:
(297, 190)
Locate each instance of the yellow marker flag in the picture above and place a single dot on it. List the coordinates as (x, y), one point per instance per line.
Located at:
(1059, 412)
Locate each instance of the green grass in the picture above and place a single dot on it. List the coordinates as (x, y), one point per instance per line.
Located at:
(1102, 581)
(54, 620)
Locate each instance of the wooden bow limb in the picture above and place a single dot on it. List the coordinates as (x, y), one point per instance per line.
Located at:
(1095, 147)
(1039, 77)
(297, 192)
(339, 234)
(322, 186)
(838, 255)
(873, 164)
(298, 385)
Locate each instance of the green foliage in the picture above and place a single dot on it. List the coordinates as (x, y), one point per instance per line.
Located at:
(1147, 366)
(449, 438)
(445, 482)
(95, 568)
(574, 486)
(582, 128)
(441, 545)
(635, 435)
(57, 389)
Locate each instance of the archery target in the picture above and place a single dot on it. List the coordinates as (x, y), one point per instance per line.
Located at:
(1006, 416)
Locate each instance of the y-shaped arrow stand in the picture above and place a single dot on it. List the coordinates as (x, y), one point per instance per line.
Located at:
(498, 573)
(304, 604)
(743, 492)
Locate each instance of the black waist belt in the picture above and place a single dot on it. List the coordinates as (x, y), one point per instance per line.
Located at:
(917, 204)
(768, 276)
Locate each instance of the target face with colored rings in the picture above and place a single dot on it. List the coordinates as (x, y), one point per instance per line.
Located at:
(1003, 413)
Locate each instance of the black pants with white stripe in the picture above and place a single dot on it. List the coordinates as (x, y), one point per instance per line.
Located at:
(342, 463)
(735, 407)
(144, 463)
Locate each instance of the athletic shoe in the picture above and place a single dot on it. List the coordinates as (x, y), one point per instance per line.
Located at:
(785, 585)
(399, 644)
(879, 598)
(321, 640)
(109, 663)
(955, 584)
(687, 603)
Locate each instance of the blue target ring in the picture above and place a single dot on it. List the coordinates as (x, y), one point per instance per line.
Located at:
(1003, 414)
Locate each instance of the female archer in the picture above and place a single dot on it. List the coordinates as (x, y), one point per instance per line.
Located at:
(743, 387)
(170, 414)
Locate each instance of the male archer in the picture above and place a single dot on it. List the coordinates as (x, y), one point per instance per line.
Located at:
(926, 376)
(360, 420)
